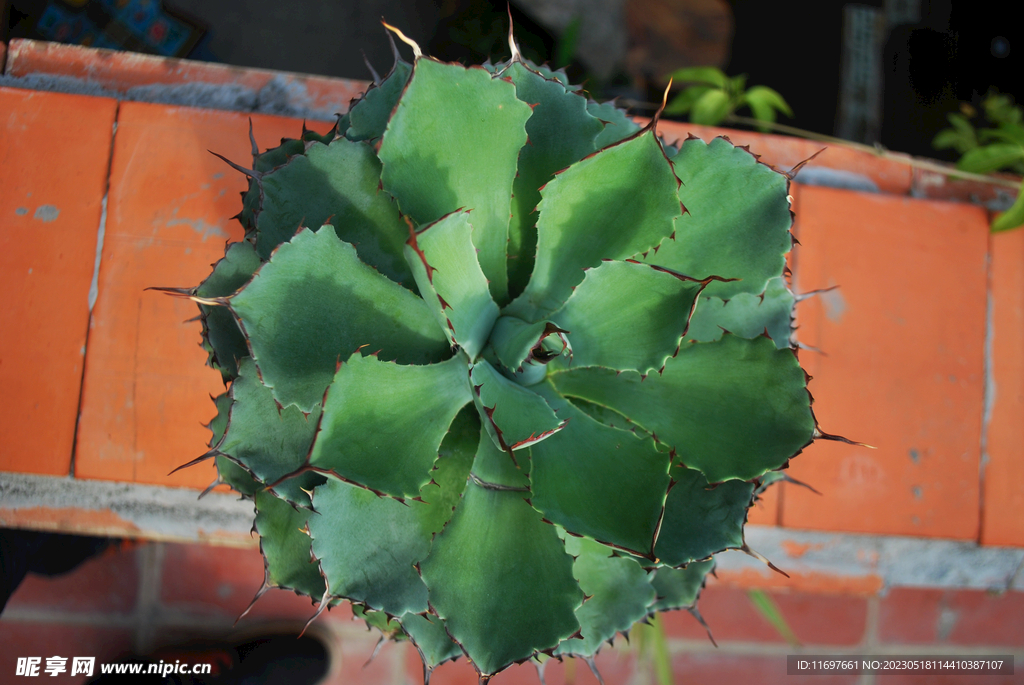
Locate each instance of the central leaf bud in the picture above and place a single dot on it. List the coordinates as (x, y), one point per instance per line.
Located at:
(522, 350)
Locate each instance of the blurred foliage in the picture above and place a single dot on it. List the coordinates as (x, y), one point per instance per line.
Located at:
(767, 607)
(710, 97)
(652, 647)
(999, 146)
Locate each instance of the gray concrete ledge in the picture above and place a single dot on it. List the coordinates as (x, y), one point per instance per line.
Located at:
(897, 561)
(175, 514)
(124, 510)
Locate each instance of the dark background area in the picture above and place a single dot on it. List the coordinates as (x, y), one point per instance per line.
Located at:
(953, 54)
(929, 55)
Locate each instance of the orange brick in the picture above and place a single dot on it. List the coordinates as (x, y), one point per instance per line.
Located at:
(952, 617)
(352, 664)
(458, 672)
(203, 579)
(939, 186)
(120, 71)
(146, 387)
(865, 585)
(730, 615)
(106, 583)
(1003, 510)
(52, 181)
(816, 619)
(904, 337)
(209, 580)
(987, 618)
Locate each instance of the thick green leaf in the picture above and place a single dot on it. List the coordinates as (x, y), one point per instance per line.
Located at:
(228, 471)
(219, 423)
(608, 417)
(732, 409)
(336, 184)
(769, 479)
(369, 117)
(711, 76)
(350, 550)
(501, 580)
(1013, 217)
(746, 315)
(452, 143)
(610, 205)
(221, 336)
(270, 442)
(553, 74)
(262, 163)
(444, 263)
(619, 592)
(432, 642)
(285, 546)
(388, 626)
(383, 422)
(561, 132)
(278, 156)
(598, 481)
(679, 588)
(990, 158)
(311, 136)
(514, 416)
(701, 520)
(710, 108)
(315, 303)
(626, 315)
(298, 488)
(368, 546)
(737, 221)
(494, 466)
(617, 123)
(235, 476)
(455, 457)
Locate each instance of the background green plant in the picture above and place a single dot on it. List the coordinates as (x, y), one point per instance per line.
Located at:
(712, 97)
(997, 147)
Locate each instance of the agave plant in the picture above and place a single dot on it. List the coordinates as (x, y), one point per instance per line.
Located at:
(505, 369)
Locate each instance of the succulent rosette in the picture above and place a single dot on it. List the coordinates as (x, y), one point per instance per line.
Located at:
(505, 370)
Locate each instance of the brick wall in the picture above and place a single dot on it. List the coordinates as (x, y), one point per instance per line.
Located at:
(144, 597)
(923, 361)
